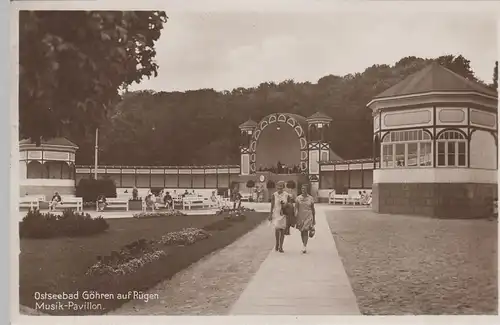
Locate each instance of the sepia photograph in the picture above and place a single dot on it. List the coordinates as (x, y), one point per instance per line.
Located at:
(197, 163)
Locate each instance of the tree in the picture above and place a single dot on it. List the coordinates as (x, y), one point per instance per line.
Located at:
(458, 64)
(201, 126)
(250, 184)
(72, 65)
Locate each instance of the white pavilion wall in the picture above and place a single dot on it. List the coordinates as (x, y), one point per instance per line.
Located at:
(483, 150)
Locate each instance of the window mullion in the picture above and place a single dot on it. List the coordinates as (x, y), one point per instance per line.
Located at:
(445, 153)
(418, 153)
(393, 155)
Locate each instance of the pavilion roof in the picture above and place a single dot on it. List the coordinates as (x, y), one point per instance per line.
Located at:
(433, 78)
(60, 141)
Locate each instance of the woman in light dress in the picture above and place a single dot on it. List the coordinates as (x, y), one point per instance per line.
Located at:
(277, 217)
(305, 215)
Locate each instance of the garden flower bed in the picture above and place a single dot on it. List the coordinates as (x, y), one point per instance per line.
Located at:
(187, 236)
(59, 265)
(130, 258)
(158, 214)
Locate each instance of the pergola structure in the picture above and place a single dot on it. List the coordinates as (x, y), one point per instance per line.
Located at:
(310, 134)
(436, 147)
(48, 167)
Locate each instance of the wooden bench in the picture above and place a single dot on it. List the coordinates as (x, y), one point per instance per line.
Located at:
(70, 202)
(340, 198)
(331, 197)
(31, 201)
(195, 202)
(245, 197)
(115, 202)
(354, 197)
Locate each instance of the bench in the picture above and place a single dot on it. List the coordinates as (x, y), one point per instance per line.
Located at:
(354, 197)
(115, 202)
(31, 201)
(245, 197)
(198, 202)
(340, 198)
(70, 202)
(331, 197)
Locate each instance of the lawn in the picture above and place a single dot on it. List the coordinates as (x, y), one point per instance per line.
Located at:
(58, 265)
(401, 265)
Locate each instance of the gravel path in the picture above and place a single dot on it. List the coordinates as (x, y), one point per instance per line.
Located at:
(213, 284)
(415, 265)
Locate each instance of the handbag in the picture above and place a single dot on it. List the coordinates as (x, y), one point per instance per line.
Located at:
(312, 231)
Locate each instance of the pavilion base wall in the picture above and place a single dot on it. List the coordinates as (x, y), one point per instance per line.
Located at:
(47, 190)
(439, 200)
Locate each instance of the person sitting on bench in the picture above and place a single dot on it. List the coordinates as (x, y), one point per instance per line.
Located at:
(236, 200)
(56, 200)
(169, 202)
(101, 203)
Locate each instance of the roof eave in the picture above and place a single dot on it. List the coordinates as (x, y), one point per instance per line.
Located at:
(430, 93)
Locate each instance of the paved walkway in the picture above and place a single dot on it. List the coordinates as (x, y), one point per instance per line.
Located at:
(292, 283)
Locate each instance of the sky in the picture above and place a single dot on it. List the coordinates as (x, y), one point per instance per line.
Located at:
(227, 50)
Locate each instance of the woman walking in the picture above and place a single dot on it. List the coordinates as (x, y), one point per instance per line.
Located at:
(306, 215)
(277, 217)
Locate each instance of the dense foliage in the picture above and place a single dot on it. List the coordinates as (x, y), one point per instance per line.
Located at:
(72, 65)
(201, 127)
(70, 224)
(90, 189)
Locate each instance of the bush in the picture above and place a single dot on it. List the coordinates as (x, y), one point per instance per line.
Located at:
(291, 184)
(270, 185)
(89, 189)
(70, 224)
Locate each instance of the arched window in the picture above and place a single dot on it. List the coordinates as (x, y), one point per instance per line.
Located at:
(409, 148)
(451, 149)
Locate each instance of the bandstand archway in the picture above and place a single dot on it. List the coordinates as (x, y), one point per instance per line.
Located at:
(285, 121)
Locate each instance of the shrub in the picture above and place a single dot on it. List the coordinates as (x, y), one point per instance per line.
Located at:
(250, 184)
(90, 189)
(70, 224)
(270, 184)
(291, 184)
(135, 195)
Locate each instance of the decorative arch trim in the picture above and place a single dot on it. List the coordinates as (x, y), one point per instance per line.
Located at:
(289, 120)
(385, 134)
(452, 129)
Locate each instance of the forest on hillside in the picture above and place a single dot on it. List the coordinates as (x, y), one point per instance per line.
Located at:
(200, 127)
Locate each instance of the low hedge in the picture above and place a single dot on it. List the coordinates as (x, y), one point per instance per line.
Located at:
(70, 224)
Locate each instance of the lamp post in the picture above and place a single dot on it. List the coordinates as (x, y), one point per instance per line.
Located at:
(96, 154)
